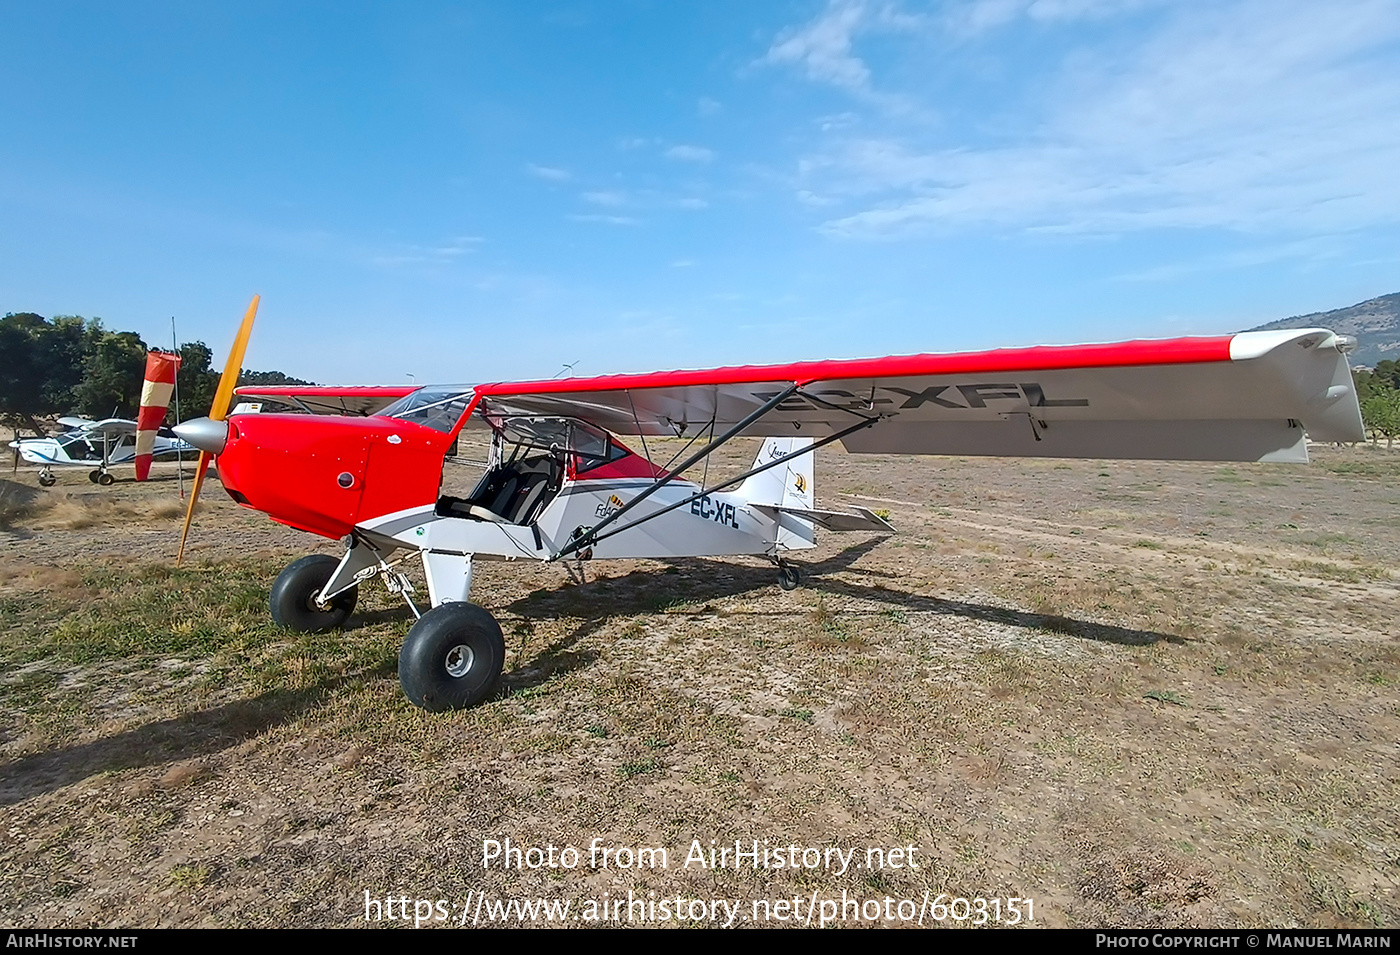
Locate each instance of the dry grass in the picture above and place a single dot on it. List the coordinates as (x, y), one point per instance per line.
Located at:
(17, 502)
(78, 511)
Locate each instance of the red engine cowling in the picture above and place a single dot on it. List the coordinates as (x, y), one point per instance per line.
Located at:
(326, 474)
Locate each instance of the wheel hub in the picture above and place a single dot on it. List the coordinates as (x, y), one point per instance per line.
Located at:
(459, 660)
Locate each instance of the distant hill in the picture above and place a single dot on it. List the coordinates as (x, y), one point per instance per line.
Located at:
(1374, 323)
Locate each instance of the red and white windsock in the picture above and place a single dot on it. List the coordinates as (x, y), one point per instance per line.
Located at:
(155, 399)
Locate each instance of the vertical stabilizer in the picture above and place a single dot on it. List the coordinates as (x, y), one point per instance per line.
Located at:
(788, 485)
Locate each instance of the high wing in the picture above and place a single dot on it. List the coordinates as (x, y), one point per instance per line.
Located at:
(110, 426)
(358, 400)
(105, 426)
(1245, 397)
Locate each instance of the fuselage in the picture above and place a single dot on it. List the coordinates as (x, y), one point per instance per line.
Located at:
(379, 478)
(86, 447)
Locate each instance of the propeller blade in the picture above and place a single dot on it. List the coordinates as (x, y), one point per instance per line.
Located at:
(223, 397)
(229, 380)
(203, 466)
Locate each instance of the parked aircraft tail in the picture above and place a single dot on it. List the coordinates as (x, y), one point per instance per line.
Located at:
(787, 494)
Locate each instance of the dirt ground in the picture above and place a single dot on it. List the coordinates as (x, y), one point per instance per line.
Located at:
(1136, 694)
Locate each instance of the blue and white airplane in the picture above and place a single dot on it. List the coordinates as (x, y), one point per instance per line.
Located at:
(87, 443)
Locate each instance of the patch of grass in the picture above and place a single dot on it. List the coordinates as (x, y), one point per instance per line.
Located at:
(1165, 696)
(638, 768)
(1351, 574)
(1380, 467)
(190, 875)
(1149, 544)
(795, 713)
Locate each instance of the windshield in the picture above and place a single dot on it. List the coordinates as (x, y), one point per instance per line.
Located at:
(435, 407)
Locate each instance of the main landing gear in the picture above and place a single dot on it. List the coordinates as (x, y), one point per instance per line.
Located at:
(452, 657)
(99, 476)
(47, 478)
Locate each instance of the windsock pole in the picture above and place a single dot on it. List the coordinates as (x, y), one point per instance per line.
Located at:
(179, 455)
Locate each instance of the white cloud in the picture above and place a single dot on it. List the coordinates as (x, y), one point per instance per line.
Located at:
(823, 47)
(979, 16)
(692, 202)
(1260, 115)
(706, 106)
(607, 220)
(443, 253)
(690, 153)
(548, 172)
(608, 198)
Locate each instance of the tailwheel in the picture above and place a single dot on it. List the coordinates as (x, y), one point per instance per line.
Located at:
(789, 577)
(452, 657)
(47, 478)
(293, 598)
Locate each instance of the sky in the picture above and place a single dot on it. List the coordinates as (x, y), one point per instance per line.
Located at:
(481, 191)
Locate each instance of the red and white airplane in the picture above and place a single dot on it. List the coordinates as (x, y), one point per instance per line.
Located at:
(560, 485)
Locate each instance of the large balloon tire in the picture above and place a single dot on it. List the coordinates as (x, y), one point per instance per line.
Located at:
(292, 600)
(452, 657)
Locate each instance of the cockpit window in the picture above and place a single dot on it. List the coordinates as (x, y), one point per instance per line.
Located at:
(433, 407)
(559, 434)
(588, 446)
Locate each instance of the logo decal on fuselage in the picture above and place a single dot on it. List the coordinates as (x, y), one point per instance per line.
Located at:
(715, 511)
(609, 507)
(800, 484)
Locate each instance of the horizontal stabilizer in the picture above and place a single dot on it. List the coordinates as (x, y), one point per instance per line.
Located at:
(863, 519)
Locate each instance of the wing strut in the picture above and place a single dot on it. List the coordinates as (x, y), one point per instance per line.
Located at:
(593, 535)
(589, 536)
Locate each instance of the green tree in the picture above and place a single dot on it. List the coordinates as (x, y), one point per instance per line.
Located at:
(249, 377)
(62, 354)
(1380, 411)
(198, 381)
(41, 364)
(20, 385)
(112, 374)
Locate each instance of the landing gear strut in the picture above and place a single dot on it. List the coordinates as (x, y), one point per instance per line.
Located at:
(47, 478)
